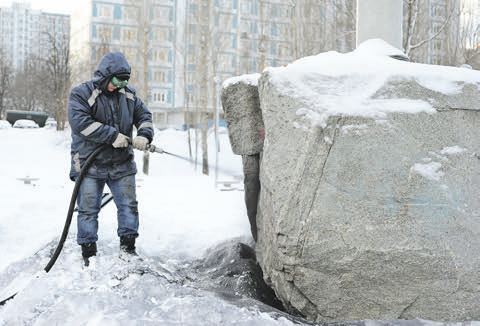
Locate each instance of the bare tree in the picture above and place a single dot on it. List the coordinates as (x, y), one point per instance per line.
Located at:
(263, 41)
(189, 52)
(205, 45)
(319, 25)
(5, 80)
(25, 92)
(345, 24)
(144, 46)
(193, 80)
(417, 32)
(468, 37)
(58, 68)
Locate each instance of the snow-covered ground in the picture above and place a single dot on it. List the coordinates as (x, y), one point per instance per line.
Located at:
(183, 213)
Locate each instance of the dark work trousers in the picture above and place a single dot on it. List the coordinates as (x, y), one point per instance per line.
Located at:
(251, 181)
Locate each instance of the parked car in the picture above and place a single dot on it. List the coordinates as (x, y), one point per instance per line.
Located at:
(50, 123)
(25, 124)
(4, 124)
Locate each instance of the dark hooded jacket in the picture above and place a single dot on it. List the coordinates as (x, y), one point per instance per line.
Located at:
(97, 116)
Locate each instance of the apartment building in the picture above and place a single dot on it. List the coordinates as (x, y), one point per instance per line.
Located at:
(178, 48)
(25, 32)
(442, 29)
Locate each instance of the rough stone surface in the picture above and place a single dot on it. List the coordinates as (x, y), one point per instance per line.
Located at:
(231, 269)
(243, 117)
(369, 218)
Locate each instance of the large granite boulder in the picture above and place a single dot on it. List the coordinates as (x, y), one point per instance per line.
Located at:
(369, 207)
(243, 115)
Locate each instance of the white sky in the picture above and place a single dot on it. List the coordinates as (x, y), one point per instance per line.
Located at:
(51, 6)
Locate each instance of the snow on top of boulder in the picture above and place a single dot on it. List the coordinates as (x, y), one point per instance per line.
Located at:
(378, 47)
(249, 79)
(333, 83)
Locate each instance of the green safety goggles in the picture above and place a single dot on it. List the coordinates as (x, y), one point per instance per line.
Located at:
(119, 83)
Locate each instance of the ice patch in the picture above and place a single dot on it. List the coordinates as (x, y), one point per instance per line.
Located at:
(356, 129)
(452, 150)
(428, 170)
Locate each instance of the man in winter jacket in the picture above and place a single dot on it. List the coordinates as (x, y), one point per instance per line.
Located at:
(101, 111)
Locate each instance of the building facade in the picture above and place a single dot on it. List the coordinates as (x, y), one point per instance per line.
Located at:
(177, 48)
(25, 32)
(443, 32)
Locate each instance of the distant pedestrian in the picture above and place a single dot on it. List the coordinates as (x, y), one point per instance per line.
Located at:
(105, 110)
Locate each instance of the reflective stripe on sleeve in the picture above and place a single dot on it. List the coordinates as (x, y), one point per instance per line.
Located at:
(146, 125)
(92, 99)
(94, 126)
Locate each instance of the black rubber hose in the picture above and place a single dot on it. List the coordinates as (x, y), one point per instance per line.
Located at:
(71, 209)
(68, 221)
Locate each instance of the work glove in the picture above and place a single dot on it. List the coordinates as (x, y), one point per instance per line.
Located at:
(121, 141)
(140, 143)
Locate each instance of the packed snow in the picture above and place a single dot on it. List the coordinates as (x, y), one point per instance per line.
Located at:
(348, 81)
(182, 214)
(249, 79)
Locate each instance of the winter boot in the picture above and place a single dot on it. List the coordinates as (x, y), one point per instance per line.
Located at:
(127, 244)
(88, 250)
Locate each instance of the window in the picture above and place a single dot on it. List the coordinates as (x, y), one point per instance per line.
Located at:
(105, 11)
(226, 21)
(436, 27)
(285, 12)
(283, 50)
(161, 13)
(435, 60)
(105, 33)
(189, 97)
(159, 55)
(129, 35)
(160, 34)
(274, 13)
(225, 4)
(225, 40)
(253, 65)
(158, 118)
(131, 13)
(191, 81)
(244, 27)
(244, 8)
(274, 29)
(438, 11)
(225, 62)
(191, 57)
(284, 29)
(160, 97)
(131, 55)
(159, 76)
(437, 45)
